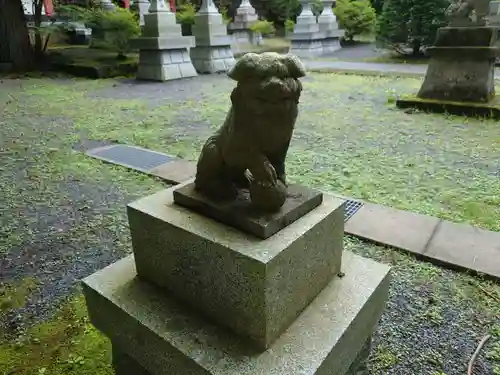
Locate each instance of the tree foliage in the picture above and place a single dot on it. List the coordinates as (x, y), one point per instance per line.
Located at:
(355, 17)
(408, 26)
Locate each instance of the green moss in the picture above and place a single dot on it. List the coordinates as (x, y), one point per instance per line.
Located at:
(14, 296)
(68, 344)
(495, 103)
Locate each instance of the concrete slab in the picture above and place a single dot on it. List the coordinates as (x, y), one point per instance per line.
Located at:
(464, 246)
(385, 225)
(165, 337)
(175, 171)
(255, 287)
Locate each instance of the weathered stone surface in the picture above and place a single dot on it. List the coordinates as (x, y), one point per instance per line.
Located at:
(240, 213)
(123, 364)
(255, 287)
(250, 147)
(165, 337)
(459, 13)
(462, 65)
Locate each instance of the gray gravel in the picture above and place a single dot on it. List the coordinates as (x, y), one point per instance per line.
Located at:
(425, 329)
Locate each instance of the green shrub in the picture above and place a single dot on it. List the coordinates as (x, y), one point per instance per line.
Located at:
(408, 26)
(289, 25)
(185, 13)
(355, 17)
(281, 10)
(115, 28)
(263, 27)
(225, 15)
(378, 5)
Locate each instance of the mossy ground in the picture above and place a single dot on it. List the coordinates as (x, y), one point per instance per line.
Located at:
(63, 213)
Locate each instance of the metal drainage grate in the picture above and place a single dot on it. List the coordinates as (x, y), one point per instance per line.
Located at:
(350, 208)
(130, 156)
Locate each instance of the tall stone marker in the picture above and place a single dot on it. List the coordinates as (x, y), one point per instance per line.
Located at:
(240, 27)
(163, 51)
(329, 27)
(213, 53)
(306, 39)
(209, 290)
(462, 65)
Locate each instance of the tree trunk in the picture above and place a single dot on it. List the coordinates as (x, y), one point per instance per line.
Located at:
(416, 47)
(15, 45)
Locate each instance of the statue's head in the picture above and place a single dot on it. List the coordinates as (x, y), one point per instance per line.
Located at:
(268, 82)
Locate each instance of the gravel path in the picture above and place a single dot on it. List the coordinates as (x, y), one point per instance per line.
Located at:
(62, 213)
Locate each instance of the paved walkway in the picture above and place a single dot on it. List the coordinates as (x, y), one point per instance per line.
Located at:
(415, 70)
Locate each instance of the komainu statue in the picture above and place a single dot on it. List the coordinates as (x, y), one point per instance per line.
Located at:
(460, 12)
(249, 149)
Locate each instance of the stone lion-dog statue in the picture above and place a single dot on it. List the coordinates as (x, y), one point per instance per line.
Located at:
(248, 151)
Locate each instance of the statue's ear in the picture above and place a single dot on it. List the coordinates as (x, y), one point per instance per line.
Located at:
(296, 68)
(244, 67)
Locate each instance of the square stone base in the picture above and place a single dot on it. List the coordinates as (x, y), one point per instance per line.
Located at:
(164, 337)
(491, 109)
(165, 65)
(255, 287)
(307, 48)
(123, 364)
(212, 59)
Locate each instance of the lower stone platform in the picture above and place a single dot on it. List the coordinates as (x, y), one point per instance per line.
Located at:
(490, 109)
(123, 364)
(165, 337)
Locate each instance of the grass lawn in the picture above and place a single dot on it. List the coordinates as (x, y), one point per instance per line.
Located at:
(63, 213)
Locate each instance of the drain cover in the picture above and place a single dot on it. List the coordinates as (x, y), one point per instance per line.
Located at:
(130, 156)
(350, 208)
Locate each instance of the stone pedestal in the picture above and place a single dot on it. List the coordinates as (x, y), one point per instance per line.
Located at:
(212, 53)
(163, 51)
(306, 39)
(494, 21)
(462, 65)
(240, 27)
(329, 27)
(200, 297)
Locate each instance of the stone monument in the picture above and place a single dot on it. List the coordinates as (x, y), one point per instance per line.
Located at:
(306, 39)
(494, 20)
(201, 297)
(163, 51)
(240, 27)
(213, 53)
(462, 63)
(329, 27)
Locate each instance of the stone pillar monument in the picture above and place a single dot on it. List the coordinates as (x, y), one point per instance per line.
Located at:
(221, 287)
(329, 27)
(240, 27)
(142, 8)
(306, 39)
(212, 53)
(163, 51)
(462, 64)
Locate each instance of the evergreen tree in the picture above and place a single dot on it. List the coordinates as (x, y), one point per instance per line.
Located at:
(410, 24)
